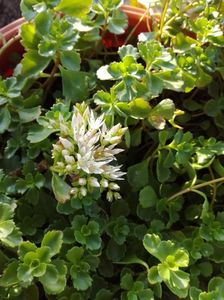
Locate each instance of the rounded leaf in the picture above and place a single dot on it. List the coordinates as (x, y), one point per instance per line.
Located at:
(53, 240)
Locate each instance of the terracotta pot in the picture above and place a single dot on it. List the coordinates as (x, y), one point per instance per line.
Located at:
(12, 53)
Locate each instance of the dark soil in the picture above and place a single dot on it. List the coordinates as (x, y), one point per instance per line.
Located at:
(9, 11)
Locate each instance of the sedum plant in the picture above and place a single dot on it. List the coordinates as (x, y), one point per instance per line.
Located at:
(111, 153)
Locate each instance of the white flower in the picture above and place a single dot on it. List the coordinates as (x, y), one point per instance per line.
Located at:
(114, 135)
(95, 123)
(113, 173)
(88, 147)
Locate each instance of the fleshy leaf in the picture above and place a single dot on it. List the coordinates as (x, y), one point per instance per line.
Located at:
(60, 188)
(53, 240)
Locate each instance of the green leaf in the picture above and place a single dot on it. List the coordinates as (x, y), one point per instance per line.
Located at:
(7, 226)
(81, 279)
(148, 197)
(212, 108)
(26, 247)
(118, 230)
(165, 108)
(47, 48)
(75, 254)
(118, 22)
(138, 176)
(161, 112)
(24, 273)
(54, 279)
(151, 243)
(5, 119)
(71, 60)
(29, 36)
(153, 275)
(128, 50)
(104, 294)
(183, 43)
(75, 8)
(103, 73)
(39, 133)
(75, 86)
(126, 281)
(9, 276)
(164, 272)
(53, 240)
(179, 283)
(60, 188)
(43, 22)
(29, 114)
(163, 172)
(33, 63)
(114, 251)
(140, 108)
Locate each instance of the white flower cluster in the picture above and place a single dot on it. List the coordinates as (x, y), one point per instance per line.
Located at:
(86, 152)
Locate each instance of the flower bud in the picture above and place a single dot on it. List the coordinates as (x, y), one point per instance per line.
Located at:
(68, 168)
(104, 183)
(93, 182)
(74, 191)
(117, 196)
(83, 191)
(82, 181)
(114, 186)
(60, 164)
(69, 159)
(65, 152)
(115, 140)
(56, 147)
(109, 196)
(67, 144)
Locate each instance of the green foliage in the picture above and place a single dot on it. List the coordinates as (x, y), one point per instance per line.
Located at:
(171, 259)
(86, 233)
(9, 233)
(111, 153)
(80, 269)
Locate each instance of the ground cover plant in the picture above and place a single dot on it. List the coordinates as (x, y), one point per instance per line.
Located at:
(111, 154)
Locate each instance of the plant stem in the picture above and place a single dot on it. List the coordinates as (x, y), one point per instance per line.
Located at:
(49, 79)
(48, 83)
(162, 21)
(181, 12)
(195, 187)
(136, 26)
(214, 186)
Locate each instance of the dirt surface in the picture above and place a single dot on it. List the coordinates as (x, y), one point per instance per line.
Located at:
(9, 11)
